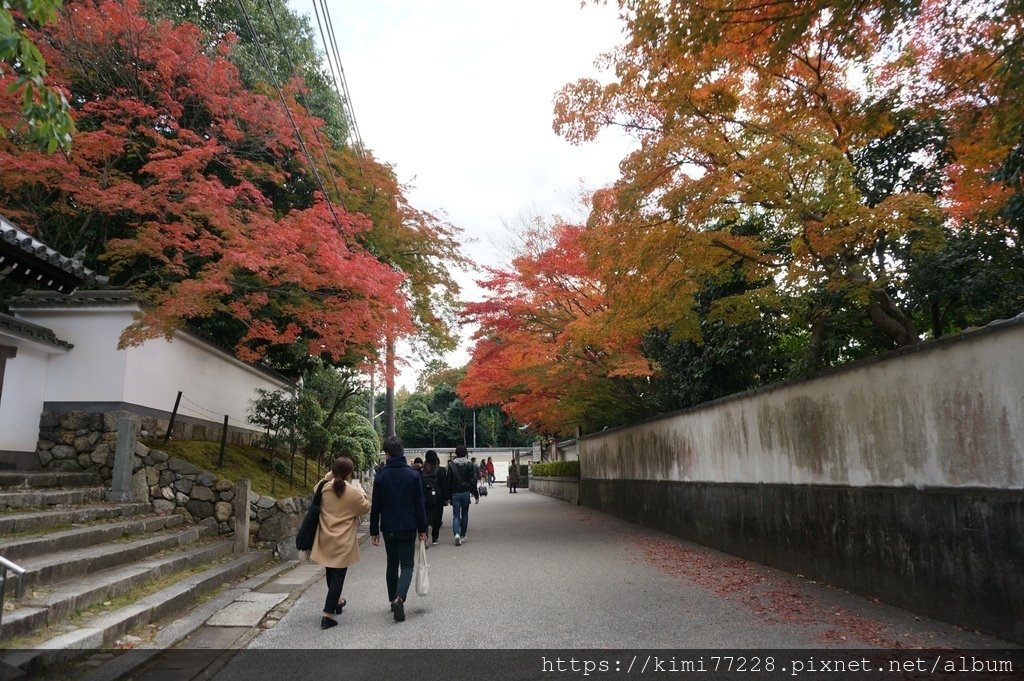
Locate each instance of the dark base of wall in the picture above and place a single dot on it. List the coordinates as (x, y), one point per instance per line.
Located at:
(185, 427)
(954, 555)
(19, 461)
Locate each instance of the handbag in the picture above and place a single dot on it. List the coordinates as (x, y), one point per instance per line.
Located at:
(422, 578)
(307, 530)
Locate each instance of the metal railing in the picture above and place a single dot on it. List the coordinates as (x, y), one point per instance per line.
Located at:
(19, 589)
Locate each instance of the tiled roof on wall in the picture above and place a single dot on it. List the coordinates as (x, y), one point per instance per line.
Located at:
(29, 259)
(27, 330)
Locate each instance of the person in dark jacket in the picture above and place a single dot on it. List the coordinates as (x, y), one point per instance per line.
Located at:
(397, 511)
(462, 483)
(435, 478)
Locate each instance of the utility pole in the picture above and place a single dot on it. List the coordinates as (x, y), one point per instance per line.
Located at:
(389, 399)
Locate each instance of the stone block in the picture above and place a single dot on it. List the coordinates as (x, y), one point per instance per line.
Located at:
(202, 494)
(140, 488)
(45, 445)
(206, 479)
(141, 450)
(63, 452)
(223, 485)
(184, 485)
(67, 437)
(75, 420)
(227, 496)
(181, 467)
(82, 444)
(223, 510)
(200, 509)
(109, 423)
(266, 502)
(94, 437)
(182, 499)
(279, 526)
(183, 512)
(166, 478)
(45, 457)
(163, 507)
(65, 466)
(287, 505)
(152, 476)
(84, 461)
(167, 493)
(99, 456)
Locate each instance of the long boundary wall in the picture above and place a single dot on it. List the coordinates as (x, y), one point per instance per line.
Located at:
(900, 477)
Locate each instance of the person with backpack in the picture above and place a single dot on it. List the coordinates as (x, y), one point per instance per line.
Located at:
(435, 493)
(462, 479)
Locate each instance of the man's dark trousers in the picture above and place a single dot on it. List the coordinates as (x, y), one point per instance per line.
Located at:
(401, 551)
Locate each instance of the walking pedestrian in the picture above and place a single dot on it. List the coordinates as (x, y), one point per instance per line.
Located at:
(398, 512)
(490, 472)
(462, 480)
(435, 493)
(513, 477)
(336, 546)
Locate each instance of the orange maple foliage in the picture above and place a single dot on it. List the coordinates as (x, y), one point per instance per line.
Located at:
(542, 350)
(196, 192)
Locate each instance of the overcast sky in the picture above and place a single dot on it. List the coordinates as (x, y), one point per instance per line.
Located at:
(458, 96)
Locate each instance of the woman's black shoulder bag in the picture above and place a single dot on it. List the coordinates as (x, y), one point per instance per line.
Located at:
(307, 531)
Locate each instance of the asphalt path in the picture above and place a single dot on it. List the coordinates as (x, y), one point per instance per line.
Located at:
(538, 572)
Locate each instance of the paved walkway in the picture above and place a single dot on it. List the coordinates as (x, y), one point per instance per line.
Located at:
(540, 573)
(537, 575)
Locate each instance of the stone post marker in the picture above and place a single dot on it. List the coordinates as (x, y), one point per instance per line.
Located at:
(242, 490)
(124, 460)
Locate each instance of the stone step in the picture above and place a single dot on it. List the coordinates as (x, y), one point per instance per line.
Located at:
(30, 521)
(104, 630)
(66, 565)
(50, 497)
(40, 479)
(87, 535)
(62, 600)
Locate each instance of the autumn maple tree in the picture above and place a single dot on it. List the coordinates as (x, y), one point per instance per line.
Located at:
(195, 191)
(543, 350)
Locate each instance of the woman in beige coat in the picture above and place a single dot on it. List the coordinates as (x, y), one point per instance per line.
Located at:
(337, 544)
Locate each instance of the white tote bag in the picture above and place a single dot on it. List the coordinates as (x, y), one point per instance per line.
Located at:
(422, 578)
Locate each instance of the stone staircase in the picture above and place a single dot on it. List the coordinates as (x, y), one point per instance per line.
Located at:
(97, 571)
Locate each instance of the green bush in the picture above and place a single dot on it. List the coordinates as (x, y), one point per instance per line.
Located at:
(557, 469)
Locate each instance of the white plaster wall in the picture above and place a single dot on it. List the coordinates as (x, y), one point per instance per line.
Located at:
(94, 370)
(950, 415)
(22, 400)
(212, 383)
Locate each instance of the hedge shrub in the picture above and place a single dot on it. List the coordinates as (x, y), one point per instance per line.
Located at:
(557, 469)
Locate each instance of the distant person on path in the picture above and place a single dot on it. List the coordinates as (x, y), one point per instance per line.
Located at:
(490, 472)
(462, 477)
(336, 546)
(435, 493)
(397, 510)
(513, 477)
(417, 463)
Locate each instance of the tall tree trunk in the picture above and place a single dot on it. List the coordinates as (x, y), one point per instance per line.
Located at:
(891, 320)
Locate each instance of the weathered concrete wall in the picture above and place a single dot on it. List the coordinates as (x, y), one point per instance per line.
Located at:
(566, 489)
(900, 478)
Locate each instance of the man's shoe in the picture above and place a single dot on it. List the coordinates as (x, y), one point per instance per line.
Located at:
(465, 539)
(327, 622)
(341, 604)
(398, 608)
(458, 540)
(434, 543)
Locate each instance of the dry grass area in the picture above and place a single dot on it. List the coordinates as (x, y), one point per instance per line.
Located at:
(246, 462)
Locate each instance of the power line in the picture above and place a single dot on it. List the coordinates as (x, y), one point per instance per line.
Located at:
(288, 112)
(302, 97)
(338, 76)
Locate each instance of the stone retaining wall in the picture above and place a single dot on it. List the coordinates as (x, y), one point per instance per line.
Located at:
(81, 441)
(566, 489)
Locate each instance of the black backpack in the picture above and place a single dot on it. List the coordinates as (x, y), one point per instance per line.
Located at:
(430, 493)
(464, 477)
